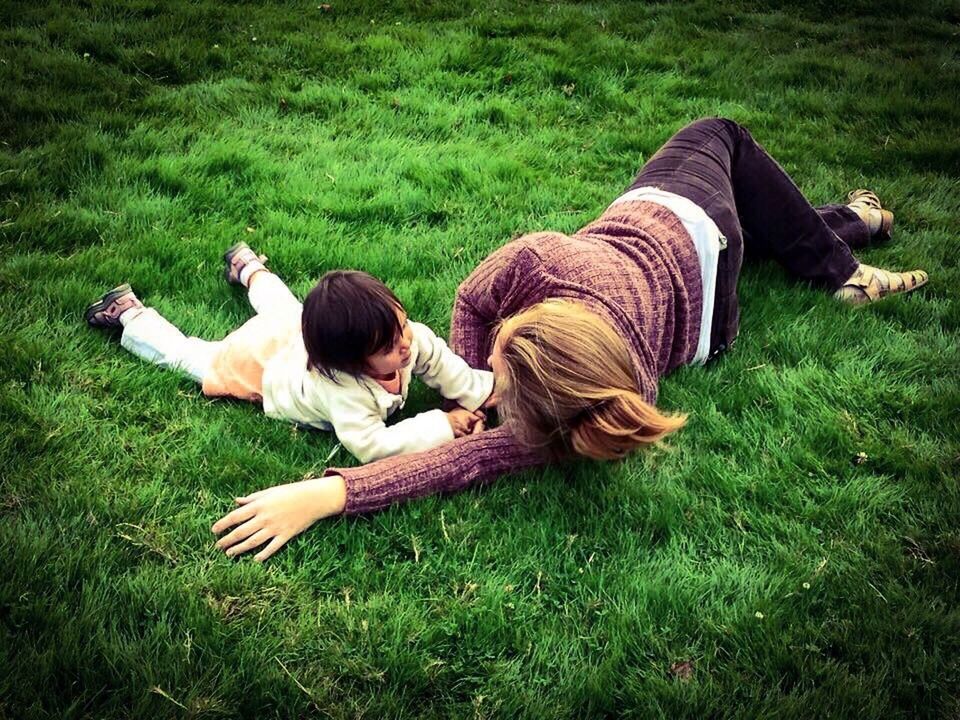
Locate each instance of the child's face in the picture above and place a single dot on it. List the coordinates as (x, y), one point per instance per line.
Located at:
(396, 357)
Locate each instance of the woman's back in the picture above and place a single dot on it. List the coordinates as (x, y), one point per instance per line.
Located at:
(635, 267)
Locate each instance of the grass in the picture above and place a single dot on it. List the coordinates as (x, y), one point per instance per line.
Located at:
(140, 139)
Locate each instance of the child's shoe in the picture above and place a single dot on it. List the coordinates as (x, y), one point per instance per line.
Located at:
(241, 262)
(106, 311)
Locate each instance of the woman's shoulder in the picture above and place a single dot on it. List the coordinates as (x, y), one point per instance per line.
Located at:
(522, 251)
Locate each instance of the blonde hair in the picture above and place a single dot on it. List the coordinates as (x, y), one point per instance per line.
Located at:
(569, 384)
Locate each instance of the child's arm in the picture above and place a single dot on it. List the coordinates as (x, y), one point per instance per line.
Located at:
(361, 430)
(445, 371)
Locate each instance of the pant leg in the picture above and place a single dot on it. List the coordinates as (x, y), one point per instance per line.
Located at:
(846, 224)
(717, 164)
(268, 294)
(151, 337)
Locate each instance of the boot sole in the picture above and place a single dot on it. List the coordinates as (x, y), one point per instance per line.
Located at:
(104, 302)
(228, 259)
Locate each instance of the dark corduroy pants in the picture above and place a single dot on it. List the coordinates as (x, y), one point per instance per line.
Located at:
(718, 165)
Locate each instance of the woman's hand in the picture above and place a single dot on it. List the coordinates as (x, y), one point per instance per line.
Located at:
(279, 513)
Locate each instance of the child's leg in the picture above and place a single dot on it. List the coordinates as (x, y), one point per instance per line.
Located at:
(151, 337)
(269, 295)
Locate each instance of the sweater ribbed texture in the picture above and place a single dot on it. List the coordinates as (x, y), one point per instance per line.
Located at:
(635, 266)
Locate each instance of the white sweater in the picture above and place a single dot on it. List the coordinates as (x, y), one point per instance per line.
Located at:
(356, 408)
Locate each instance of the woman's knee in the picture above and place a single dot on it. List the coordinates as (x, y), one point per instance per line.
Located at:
(702, 130)
(718, 124)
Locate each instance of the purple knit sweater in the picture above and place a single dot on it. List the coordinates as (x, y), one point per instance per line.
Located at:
(636, 267)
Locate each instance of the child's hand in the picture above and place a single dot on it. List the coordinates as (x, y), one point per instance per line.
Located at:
(463, 422)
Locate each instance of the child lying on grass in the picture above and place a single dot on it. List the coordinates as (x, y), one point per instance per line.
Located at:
(342, 361)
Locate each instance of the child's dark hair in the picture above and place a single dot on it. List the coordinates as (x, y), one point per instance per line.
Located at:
(347, 317)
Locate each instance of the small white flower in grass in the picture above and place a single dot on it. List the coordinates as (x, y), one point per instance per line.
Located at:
(216, 46)
(254, 38)
(86, 55)
(758, 615)
(806, 586)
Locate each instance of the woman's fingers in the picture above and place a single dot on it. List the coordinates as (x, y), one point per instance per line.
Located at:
(255, 540)
(278, 542)
(477, 427)
(280, 513)
(237, 516)
(240, 533)
(252, 496)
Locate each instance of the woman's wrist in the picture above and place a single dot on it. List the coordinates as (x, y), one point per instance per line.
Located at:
(330, 495)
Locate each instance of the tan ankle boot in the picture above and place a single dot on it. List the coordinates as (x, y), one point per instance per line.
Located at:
(866, 204)
(869, 284)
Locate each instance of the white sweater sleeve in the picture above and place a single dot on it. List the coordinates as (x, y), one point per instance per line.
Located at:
(362, 431)
(445, 371)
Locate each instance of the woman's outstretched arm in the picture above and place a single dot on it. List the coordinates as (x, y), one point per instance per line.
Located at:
(273, 516)
(451, 467)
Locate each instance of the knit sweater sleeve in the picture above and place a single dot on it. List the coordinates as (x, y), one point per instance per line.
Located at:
(476, 308)
(502, 285)
(470, 331)
(451, 467)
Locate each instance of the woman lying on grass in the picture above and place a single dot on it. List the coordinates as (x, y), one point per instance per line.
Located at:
(578, 329)
(342, 361)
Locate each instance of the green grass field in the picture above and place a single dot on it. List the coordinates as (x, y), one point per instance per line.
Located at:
(750, 569)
